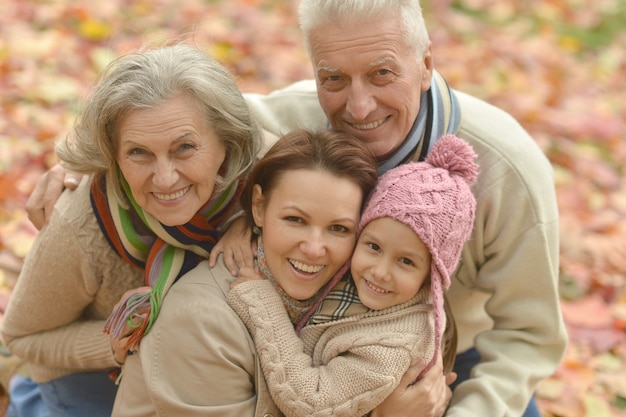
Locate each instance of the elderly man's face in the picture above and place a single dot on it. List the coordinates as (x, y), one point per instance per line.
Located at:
(369, 81)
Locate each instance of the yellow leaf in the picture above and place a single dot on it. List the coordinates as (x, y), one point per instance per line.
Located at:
(609, 363)
(101, 57)
(54, 88)
(94, 30)
(570, 44)
(550, 388)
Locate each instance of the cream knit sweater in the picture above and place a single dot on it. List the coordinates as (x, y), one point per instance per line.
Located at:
(338, 368)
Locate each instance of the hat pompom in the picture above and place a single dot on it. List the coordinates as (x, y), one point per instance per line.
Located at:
(456, 156)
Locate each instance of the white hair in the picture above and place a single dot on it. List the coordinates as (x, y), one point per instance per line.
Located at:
(312, 13)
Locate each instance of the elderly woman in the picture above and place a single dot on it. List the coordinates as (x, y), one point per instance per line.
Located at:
(165, 138)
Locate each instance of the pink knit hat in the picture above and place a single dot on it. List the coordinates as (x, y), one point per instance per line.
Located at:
(434, 199)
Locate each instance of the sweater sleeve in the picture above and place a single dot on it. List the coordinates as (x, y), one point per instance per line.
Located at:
(361, 372)
(293, 107)
(512, 258)
(45, 322)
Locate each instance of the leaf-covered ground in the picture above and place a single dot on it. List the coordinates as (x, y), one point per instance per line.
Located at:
(557, 65)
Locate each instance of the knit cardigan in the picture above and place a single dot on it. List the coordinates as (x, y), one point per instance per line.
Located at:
(341, 368)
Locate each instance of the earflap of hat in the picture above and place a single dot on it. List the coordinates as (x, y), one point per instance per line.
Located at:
(439, 282)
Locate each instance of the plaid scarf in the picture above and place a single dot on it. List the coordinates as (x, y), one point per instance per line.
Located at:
(342, 301)
(164, 252)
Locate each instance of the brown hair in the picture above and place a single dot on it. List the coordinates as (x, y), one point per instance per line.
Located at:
(337, 153)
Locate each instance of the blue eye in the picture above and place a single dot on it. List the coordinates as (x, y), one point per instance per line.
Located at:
(186, 146)
(136, 151)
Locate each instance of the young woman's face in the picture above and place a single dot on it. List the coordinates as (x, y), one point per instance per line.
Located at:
(170, 158)
(309, 224)
(390, 263)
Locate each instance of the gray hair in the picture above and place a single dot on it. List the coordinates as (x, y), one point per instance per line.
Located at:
(145, 80)
(313, 13)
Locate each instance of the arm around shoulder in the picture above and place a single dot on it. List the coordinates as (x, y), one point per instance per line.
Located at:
(47, 191)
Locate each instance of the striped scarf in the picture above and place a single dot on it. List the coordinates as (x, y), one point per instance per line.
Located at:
(164, 252)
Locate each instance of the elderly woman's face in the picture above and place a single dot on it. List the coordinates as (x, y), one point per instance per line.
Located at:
(170, 158)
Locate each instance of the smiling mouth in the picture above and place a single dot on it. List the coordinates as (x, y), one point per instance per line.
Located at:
(309, 269)
(375, 288)
(368, 126)
(173, 196)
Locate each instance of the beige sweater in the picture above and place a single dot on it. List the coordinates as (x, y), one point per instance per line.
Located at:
(341, 368)
(198, 359)
(68, 286)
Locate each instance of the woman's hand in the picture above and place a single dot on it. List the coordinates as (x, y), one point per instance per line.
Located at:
(236, 246)
(246, 274)
(428, 397)
(119, 344)
(46, 193)
(119, 350)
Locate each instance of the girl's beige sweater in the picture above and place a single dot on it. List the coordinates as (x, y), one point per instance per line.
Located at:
(344, 367)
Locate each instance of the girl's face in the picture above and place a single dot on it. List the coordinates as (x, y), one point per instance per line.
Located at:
(170, 158)
(390, 263)
(309, 222)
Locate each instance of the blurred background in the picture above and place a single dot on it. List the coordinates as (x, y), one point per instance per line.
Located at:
(558, 66)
